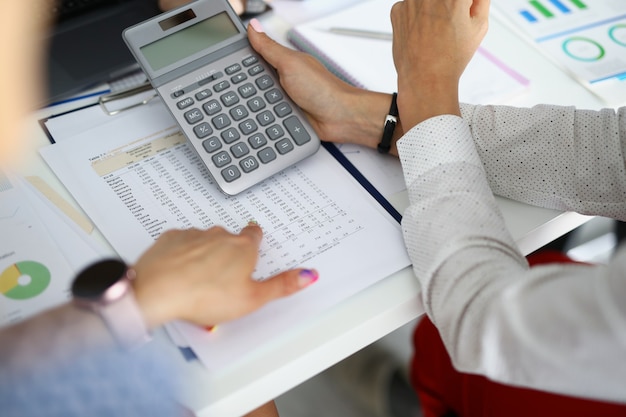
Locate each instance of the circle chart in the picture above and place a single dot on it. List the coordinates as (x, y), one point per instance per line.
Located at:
(583, 49)
(24, 280)
(617, 33)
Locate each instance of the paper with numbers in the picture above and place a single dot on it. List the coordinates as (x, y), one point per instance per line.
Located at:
(135, 176)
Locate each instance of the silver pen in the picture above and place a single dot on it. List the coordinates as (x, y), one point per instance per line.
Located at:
(361, 33)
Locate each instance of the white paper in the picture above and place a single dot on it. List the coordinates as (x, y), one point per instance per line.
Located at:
(587, 38)
(39, 252)
(136, 177)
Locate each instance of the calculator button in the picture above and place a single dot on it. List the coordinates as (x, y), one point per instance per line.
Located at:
(221, 121)
(247, 90)
(204, 94)
(255, 70)
(282, 109)
(247, 126)
(251, 60)
(231, 173)
(256, 104)
(221, 86)
(267, 155)
(183, 104)
(296, 130)
(232, 69)
(239, 150)
(265, 118)
(230, 135)
(229, 99)
(193, 116)
(248, 164)
(212, 144)
(236, 79)
(212, 107)
(273, 96)
(221, 159)
(238, 113)
(202, 130)
(257, 140)
(275, 132)
(264, 82)
(178, 93)
(283, 146)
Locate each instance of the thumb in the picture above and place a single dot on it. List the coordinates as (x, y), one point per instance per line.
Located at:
(284, 284)
(269, 49)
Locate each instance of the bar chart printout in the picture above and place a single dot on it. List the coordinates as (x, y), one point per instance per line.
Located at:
(587, 39)
(536, 9)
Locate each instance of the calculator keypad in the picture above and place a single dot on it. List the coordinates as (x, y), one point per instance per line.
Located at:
(239, 119)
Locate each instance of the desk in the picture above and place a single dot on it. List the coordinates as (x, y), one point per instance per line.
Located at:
(290, 359)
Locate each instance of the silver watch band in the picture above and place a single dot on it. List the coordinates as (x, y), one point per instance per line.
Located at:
(125, 320)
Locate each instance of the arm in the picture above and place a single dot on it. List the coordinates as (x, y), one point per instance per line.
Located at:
(529, 154)
(188, 275)
(555, 328)
(554, 157)
(496, 316)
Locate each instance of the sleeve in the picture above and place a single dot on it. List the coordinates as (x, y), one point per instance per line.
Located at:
(557, 328)
(554, 157)
(100, 382)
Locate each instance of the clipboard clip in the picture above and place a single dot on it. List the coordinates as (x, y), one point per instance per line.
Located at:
(125, 94)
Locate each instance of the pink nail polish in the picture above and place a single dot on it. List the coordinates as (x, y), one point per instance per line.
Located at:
(307, 277)
(256, 25)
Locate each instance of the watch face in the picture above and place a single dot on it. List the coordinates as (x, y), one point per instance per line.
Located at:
(93, 281)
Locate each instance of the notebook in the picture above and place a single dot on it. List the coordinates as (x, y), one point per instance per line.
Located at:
(368, 63)
(86, 45)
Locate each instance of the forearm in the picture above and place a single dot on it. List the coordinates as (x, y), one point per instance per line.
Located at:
(52, 337)
(554, 157)
(364, 120)
(496, 316)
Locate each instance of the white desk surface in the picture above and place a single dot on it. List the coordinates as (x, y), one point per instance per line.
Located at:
(290, 359)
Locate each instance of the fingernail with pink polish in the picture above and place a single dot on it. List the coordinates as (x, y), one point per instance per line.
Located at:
(307, 277)
(256, 25)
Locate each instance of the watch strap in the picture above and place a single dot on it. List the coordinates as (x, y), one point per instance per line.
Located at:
(125, 320)
(391, 120)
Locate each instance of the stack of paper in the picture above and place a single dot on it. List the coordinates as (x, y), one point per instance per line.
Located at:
(135, 176)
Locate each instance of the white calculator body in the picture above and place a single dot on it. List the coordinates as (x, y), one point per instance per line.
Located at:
(226, 99)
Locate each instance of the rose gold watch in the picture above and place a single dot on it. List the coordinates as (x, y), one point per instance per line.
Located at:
(105, 287)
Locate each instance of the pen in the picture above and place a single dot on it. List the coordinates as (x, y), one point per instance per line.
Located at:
(362, 33)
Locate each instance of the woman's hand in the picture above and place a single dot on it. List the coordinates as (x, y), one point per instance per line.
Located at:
(337, 111)
(433, 41)
(205, 277)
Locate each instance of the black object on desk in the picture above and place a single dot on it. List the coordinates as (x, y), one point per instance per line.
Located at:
(86, 45)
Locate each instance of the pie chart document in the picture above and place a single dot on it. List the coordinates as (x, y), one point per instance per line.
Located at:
(34, 273)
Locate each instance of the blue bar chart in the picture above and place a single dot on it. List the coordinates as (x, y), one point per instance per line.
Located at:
(538, 10)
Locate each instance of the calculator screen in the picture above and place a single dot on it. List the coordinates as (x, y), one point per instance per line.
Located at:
(189, 41)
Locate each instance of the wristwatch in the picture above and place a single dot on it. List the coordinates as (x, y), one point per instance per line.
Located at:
(105, 287)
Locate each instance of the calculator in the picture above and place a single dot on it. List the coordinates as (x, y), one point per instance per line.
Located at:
(226, 99)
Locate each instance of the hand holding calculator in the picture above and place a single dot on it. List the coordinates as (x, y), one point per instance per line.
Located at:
(226, 99)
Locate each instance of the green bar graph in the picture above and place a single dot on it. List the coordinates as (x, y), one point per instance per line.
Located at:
(579, 4)
(541, 9)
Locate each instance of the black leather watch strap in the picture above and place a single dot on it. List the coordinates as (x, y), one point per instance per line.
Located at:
(390, 125)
